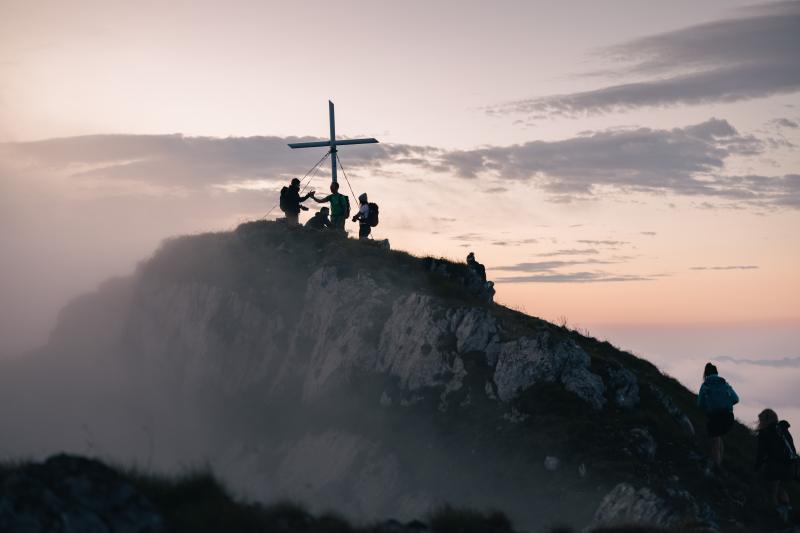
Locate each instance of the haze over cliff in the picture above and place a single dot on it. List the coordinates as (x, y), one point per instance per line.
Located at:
(304, 365)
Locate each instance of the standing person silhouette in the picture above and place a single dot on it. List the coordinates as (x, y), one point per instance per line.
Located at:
(775, 454)
(362, 217)
(340, 206)
(717, 398)
(290, 202)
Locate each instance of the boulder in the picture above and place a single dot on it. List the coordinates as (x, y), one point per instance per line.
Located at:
(624, 386)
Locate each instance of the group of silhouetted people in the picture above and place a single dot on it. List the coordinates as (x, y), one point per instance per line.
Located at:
(776, 458)
(291, 203)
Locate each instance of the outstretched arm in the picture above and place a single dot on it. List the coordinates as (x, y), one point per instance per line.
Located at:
(320, 201)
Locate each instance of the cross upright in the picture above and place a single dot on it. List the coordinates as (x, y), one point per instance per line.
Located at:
(333, 143)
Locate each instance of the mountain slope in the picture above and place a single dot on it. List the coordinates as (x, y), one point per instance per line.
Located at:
(299, 364)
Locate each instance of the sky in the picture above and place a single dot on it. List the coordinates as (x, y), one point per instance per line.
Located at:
(629, 168)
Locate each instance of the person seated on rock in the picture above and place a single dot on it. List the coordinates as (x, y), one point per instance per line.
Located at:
(476, 270)
(716, 398)
(340, 206)
(319, 220)
(476, 280)
(777, 456)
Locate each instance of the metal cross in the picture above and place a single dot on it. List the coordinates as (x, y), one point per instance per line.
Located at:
(333, 143)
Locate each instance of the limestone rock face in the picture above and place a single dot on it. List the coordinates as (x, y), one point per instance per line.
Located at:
(415, 344)
(528, 360)
(69, 494)
(325, 339)
(626, 504)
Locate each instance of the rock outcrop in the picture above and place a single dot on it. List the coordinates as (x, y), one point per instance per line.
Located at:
(626, 504)
(357, 379)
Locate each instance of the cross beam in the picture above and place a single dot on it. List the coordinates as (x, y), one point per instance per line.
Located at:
(332, 142)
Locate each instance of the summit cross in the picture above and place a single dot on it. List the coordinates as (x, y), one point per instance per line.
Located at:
(332, 143)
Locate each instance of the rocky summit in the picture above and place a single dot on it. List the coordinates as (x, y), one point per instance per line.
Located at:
(302, 365)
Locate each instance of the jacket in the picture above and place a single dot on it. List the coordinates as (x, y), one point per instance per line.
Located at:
(716, 395)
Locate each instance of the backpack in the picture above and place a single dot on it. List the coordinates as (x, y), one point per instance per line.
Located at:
(284, 204)
(372, 217)
(719, 396)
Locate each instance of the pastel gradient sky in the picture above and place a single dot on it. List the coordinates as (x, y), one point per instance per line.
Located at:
(629, 167)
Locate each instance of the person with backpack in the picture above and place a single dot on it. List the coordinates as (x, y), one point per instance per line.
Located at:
(320, 220)
(716, 398)
(777, 456)
(367, 216)
(340, 206)
(291, 201)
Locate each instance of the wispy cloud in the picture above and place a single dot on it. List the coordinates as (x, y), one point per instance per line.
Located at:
(544, 266)
(570, 251)
(726, 267)
(603, 242)
(518, 242)
(751, 56)
(784, 123)
(574, 277)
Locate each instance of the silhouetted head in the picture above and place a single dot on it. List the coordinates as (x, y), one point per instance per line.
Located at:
(334, 187)
(324, 211)
(709, 370)
(470, 257)
(363, 198)
(295, 183)
(766, 418)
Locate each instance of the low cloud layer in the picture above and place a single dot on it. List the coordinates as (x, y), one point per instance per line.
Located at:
(754, 55)
(786, 362)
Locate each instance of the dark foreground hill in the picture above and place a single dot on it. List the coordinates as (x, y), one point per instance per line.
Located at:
(300, 365)
(69, 493)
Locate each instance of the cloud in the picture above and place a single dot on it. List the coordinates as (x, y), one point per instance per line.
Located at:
(786, 362)
(194, 162)
(784, 123)
(726, 267)
(571, 251)
(545, 266)
(602, 243)
(575, 277)
(754, 55)
(679, 161)
(519, 242)
(548, 272)
(649, 233)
